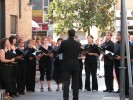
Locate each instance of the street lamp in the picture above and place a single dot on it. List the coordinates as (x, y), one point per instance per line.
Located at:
(122, 51)
(123, 42)
(31, 3)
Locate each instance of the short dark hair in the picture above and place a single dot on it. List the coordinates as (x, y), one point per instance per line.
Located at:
(119, 32)
(2, 43)
(71, 32)
(59, 39)
(11, 38)
(90, 36)
(29, 40)
(20, 40)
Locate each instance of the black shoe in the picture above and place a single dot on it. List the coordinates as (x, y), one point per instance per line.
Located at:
(110, 91)
(23, 93)
(16, 95)
(49, 89)
(116, 91)
(88, 89)
(94, 90)
(106, 90)
(62, 88)
(58, 89)
(127, 96)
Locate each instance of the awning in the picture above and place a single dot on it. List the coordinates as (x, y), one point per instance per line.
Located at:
(34, 24)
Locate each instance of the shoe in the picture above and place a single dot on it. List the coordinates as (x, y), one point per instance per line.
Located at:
(58, 89)
(16, 95)
(127, 96)
(116, 91)
(105, 90)
(29, 91)
(41, 90)
(33, 91)
(110, 91)
(88, 89)
(49, 89)
(100, 76)
(22, 93)
(94, 90)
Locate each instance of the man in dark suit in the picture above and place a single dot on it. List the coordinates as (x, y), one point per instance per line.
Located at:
(108, 47)
(117, 56)
(70, 49)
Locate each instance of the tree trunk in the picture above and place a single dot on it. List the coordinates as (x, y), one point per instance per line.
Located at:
(89, 31)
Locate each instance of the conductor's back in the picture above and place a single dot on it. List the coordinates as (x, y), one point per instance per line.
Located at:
(70, 49)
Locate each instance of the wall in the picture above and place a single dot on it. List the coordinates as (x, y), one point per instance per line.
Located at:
(24, 22)
(129, 4)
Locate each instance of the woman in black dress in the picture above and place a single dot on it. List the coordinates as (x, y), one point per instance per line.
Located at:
(58, 72)
(6, 67)
(31, 67)
(12, 40)
(22, 70)
(45, 63)
(92, 51)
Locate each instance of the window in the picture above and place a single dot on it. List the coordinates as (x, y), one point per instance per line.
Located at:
(13, 24)
(45, 9)
(40, 33)
(46, 2)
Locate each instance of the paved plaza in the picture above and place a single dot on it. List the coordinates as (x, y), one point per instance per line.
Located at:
(83, 95)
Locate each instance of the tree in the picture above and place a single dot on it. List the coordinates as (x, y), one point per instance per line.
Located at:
(81, 14)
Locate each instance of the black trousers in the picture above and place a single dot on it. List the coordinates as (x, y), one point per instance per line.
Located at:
(21, 79)
(126, 82)
(108, 72)
(45, 69)
(80, 75)
(117, 71)
(75, 84)
(15, 69)
(7, 73)
(91, 69)
(30, 76)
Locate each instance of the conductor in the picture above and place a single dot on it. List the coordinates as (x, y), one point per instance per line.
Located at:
(70, 49)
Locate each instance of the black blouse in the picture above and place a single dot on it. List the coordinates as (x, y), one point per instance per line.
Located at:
(45, 51)
(91, 49)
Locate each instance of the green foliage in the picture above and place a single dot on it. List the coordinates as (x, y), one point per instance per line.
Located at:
(81, 14)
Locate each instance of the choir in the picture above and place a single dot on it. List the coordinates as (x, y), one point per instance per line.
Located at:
(20, 59)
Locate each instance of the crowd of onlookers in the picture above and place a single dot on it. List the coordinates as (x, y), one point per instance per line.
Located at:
(20, 59)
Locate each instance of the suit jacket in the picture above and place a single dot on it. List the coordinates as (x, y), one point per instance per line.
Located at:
(70, 49)
(109, 46)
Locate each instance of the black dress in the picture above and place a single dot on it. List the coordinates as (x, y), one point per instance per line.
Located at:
(15, 65)
(58, 71)
(22, 70)
(7, 73)
(31, 70)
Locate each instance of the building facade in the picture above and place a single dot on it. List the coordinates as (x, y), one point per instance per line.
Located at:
(129, 8)
(15, 18)
(39, 14)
